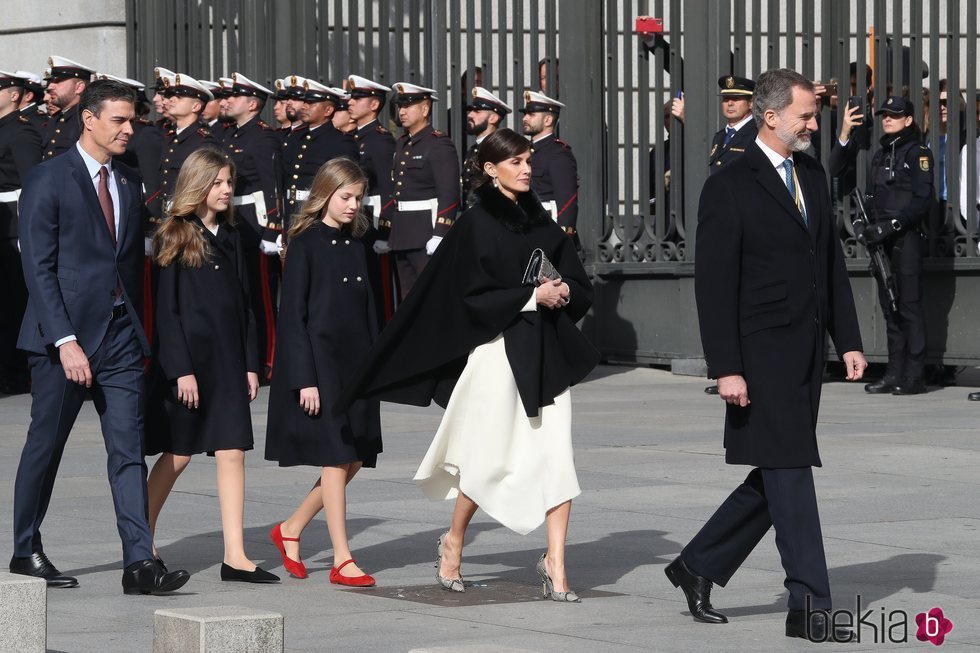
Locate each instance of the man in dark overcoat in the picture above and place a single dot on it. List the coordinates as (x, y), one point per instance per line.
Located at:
(770, 285)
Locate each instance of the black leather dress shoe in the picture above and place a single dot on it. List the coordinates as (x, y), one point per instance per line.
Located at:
(711, 390)
(973, 396)
(820, 628)
(148, 577)
(881, 387)
(697, 589)
(257, 576)
(909, 388)
(38, 565)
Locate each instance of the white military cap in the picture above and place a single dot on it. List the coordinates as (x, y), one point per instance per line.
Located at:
(61, 68)
(484, 100)
(411, 93)
(164, 76)
(535, 102)
(242, 85)
(314, 91)
(186, 86)
(132, 83)
(358, 86)
(291, 87)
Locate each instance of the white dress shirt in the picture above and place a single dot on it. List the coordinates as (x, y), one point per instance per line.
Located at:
(777, 162)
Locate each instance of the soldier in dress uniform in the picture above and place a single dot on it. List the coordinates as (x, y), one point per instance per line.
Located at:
(186, 99)
(149, 144)
(292, 88)
(66, 81)
(254, 148)
(736, 106)
(341, 116)
(376, 147)
(31, 106)
(425, 172)
(314, 145)
(484, 114)
(279, 108)
(554, 171)
(20, 150)
(212, 110)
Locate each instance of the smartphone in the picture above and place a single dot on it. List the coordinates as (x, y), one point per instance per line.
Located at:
(856, 101)
(830, 88)
(649, 25)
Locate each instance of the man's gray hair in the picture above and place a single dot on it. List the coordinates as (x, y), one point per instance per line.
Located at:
(774, 91)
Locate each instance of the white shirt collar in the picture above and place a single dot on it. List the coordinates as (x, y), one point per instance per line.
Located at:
(91, 164)
(774, 157)
(541, 138)
(743, 122)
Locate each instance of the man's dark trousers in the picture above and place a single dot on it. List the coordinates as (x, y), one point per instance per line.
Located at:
(785, 499)
(117, 392)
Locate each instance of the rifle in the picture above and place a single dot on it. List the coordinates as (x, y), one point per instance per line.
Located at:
(880, 265)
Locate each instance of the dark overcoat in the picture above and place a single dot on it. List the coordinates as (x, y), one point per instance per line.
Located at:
(768, 291)
(470, 292)
(204, 327)
(326, 326)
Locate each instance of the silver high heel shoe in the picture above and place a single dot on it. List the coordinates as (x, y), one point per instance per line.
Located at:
(548, 588)
(450, 584)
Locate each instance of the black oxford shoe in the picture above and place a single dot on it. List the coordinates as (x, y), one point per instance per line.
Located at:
(149, 577)
(973, 396)
(38, 565)
(818, 628)
(697, 589)
(881, 387)
(909, 388)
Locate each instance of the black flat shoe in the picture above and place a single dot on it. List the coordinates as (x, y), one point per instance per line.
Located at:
(819, 628)
(697, 590)
(973, 396)
(881, 387)
(242, 576)
(38, 566)
(148, 577)
(711, 390)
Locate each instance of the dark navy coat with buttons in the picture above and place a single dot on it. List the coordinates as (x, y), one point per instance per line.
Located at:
(769, 290)
(326, 327)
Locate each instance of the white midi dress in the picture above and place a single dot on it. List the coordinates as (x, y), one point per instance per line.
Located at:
(513, 466)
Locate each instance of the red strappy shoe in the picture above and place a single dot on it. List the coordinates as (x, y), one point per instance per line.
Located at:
(294, 567)
(364, 580)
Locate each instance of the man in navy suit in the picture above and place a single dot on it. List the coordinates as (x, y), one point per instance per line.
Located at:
(82, 252)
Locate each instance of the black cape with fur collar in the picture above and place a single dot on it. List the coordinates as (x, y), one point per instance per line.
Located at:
(468, 294)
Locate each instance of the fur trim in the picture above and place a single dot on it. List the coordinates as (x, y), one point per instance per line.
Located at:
(519, 217)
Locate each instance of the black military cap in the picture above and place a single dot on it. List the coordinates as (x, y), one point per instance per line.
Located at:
(733, 85)
(896, 105)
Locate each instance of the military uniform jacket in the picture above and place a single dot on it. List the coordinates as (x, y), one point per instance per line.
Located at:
(254, 149)
(721, 154)
(146, 147)
(39, 120)
(769, 290)
(63, 130)
(554, 178)
(377, 150)
(466, 174)
(20, 150)
(177, 148)
(425, 167)
(313, 147)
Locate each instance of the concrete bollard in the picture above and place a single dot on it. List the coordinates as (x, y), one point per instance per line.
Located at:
(23, 613)
(224, 629)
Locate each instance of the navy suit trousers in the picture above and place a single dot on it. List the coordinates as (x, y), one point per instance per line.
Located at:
(117, 392)
(780, 498)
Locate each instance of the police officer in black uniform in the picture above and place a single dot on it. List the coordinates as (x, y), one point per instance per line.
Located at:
(376, 146)
(902, 197)
(66, 81)
(186, 99)
(20, 150)
(484, 114)
(554, 171)
(318, 142)
(425, 172)
(736, 106)
(254, 148)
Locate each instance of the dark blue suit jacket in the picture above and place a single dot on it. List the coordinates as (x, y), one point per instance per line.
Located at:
(70, 265)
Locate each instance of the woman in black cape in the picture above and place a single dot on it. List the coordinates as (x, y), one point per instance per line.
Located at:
(500, 356)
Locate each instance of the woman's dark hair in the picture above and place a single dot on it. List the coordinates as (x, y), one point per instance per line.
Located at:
(499, 146)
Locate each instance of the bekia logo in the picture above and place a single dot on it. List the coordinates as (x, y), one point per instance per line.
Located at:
(933, 626)
(883, 626)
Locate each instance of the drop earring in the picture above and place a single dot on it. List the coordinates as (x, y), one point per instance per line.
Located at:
(493, 180)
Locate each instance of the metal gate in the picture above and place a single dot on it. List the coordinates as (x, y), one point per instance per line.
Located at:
(641, 253)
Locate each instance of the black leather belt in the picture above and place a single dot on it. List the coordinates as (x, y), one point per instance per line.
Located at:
(118, 311)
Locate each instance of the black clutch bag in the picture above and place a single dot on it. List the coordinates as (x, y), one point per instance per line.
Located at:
(539, 269)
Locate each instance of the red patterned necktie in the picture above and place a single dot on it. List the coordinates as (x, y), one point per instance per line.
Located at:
(105, 200)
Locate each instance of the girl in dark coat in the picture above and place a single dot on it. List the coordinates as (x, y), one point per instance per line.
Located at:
(205, 371)
(500, 355)
(327, 324)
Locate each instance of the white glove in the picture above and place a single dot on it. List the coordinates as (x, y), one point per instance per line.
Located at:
(272, 248)
(430, 247)
(147, 245)
(381, 247)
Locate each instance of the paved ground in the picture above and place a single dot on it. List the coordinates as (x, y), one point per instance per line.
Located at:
(899, 496)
